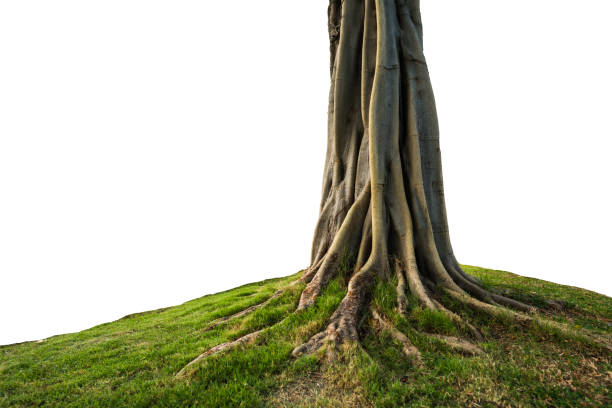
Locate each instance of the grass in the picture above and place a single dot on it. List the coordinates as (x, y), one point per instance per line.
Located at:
(131, 362)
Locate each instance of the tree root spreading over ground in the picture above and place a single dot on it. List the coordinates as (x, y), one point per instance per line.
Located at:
(383, 195)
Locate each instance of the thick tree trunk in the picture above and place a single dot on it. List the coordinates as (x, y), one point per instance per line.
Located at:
(383, 193)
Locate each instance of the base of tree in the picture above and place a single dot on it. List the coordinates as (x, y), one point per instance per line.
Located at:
(134, 361)
(351, 318)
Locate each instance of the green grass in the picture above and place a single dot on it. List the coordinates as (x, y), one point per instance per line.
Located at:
(131, 362)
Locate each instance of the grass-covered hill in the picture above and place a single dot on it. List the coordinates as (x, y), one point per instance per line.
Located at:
(132, 362)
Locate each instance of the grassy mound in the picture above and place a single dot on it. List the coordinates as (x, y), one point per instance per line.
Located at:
(132, 362)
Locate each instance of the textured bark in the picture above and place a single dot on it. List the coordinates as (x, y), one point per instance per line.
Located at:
(383, 193)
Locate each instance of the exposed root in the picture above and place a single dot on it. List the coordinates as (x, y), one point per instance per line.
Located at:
(339, 331)
(469, 285)
(217, 322)
(407, 347)
(415, 283)
(458, 320)
(346, 240)
(506, 301)
(499, 311)
(313, 344)
(310, 272)
(342, 327)
(459, 345)
(598, 339)
(221, 347)
(401, 300)
(492, 310)
(523, 319)
(433, 304)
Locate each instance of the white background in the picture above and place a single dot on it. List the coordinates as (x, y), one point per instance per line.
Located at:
(155, 151)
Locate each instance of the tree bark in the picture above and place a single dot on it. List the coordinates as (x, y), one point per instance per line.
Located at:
(383, 192)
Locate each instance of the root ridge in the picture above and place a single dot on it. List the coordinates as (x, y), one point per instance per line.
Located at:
(217, 322)
(408, 348)
(219, 348)
(459, 321)
(342, 326)
(460, 345)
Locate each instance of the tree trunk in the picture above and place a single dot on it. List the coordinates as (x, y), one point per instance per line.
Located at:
(383, 193)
